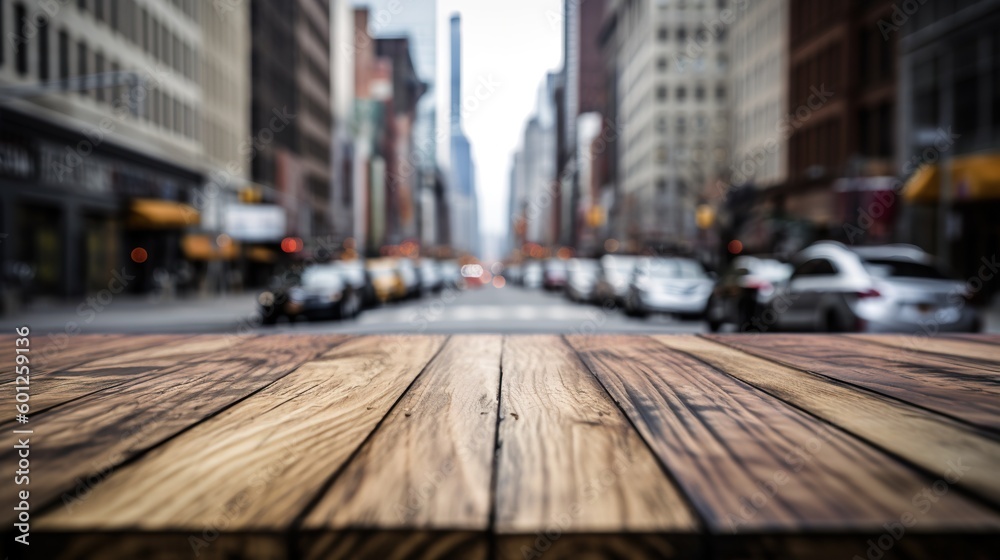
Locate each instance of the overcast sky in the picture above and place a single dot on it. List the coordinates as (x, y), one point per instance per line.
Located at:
(511, 44)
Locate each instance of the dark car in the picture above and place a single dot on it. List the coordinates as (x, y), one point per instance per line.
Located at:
(554, 274)
(581, 280)
(743, 290)
(321, 292)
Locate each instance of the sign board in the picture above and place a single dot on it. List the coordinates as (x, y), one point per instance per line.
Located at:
(255, 222)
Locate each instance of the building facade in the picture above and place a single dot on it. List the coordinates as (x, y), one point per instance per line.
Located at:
(103, 170)
(463, 200)
(950, 118)
(672, 98)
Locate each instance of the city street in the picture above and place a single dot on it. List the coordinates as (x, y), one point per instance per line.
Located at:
(484, 310)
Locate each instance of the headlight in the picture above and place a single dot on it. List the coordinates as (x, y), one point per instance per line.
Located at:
(266, 299)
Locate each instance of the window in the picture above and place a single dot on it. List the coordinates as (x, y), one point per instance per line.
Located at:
(661, 93)
(1, 28)
(815, 267)
(681, 93)
(81, 5)
(43, 50)
(682, 35)
(99, 73)
(82, 66)
(99, 10)
(699, 93)
(21, 21)
(661, 64)
(720, 93)
(661, 34)
(64, 70)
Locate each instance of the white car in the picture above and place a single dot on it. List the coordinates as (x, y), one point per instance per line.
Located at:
(678, 286)
(888, 288)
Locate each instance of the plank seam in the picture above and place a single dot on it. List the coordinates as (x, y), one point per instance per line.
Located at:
(136, 456)
(491, 524)
(294, 532)
(992, 433)
(704, 531)
(931, 476)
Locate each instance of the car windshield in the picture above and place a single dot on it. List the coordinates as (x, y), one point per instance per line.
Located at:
(325, 276)
(684, 269)
(895, 268)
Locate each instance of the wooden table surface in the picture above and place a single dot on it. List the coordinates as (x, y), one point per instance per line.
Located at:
(490, 446)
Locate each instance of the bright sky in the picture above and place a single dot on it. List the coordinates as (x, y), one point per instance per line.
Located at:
(511, 44)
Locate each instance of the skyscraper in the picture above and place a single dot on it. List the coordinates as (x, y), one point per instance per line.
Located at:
(416, 20)
(464, 204)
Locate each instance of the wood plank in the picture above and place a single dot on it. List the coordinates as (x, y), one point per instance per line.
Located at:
(973, 353)
(255, 467)
(150, 353)
(978, 337)
(751, 463)
(87, 440)
(569, 462)
(962, 392)
(927, 440)
(429, 465)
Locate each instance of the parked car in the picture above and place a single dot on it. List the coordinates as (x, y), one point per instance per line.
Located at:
(678, 286)
(532, 275)
(613, 279)
(411, 278)
(514, 274)
(554, 274)
(581, 279)
(451, 273)
(888, 288)
(431, 279)
(356, 276)
(320, 293)
(743, 291)
(387, 281)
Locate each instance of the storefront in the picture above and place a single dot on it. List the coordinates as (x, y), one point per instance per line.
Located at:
(74, 209)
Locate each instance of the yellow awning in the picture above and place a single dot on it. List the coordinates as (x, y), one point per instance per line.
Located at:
(261, 254)
(147, 213)
(972, 178)
(203, 248)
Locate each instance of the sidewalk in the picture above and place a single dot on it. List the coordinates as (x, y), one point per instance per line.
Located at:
(140, 314)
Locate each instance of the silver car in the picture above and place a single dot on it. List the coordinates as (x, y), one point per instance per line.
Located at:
(889, 288)
(613, 279)
(677, 286)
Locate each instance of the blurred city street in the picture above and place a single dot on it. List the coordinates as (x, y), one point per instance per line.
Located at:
(486, 310)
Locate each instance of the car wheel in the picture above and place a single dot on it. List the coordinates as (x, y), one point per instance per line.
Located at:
(833, 322)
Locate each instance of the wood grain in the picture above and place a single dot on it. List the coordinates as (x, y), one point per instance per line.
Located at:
(257, 465)
(927, 440)
(953, 349)
(429, 466)
(953, 389)
(569, 461)
(87, 440)
(150, 353)
(751, 463)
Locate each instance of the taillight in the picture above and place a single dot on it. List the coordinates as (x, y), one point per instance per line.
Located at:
(762, 285)
(869, 293)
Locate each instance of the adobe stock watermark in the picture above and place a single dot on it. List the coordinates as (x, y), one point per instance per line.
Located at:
(901, 14)
(766, 490)
(607, 478)
(922, 503)
(745, 169)
(883, 201)
(696, 44)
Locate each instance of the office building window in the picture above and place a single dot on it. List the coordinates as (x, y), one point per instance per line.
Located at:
(99, 75)
(82, 66)
(81, 5)
(21, 21)
(43, 50)
(64, 69)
